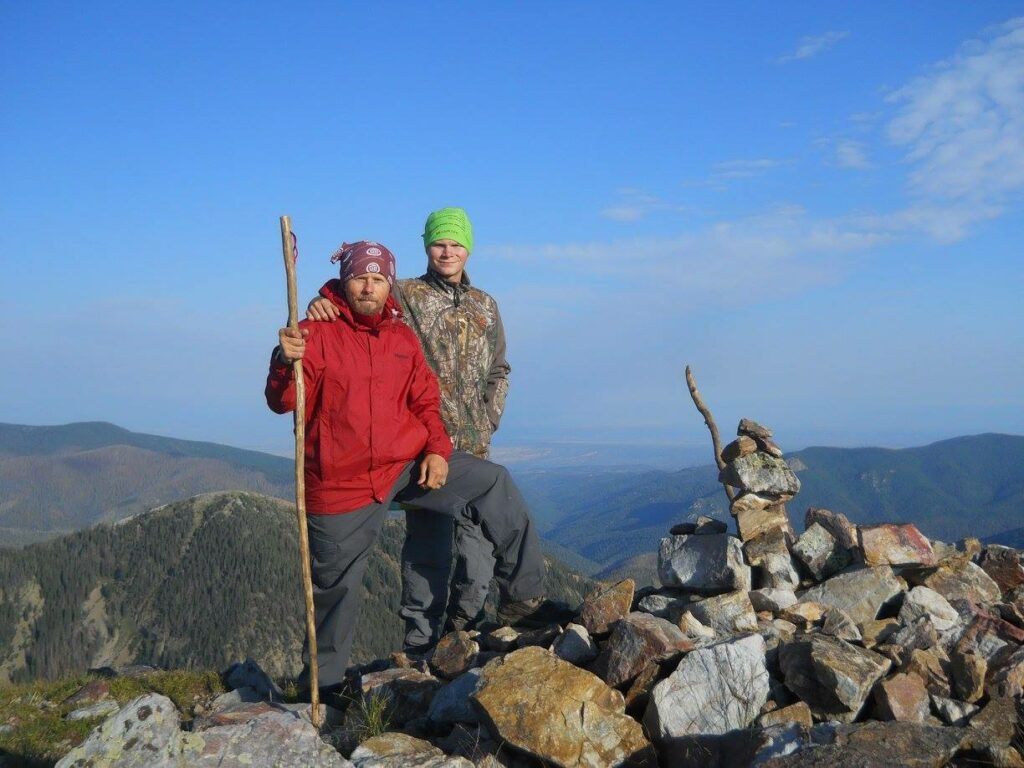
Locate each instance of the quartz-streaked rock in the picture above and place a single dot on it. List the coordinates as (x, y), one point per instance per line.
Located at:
(551, 709)
(762, 474)
(706, 564)
(575, 645)
(879, 745)
(860, 593)
(400, 750)
(752, 523)
(637, 639)
(819, 551)
(713, 691)
(902, 697)
(832, 676)
(895, 544)
(694, 629)
(924, 601)
(726, 614)
(451, 704)
(605, 605)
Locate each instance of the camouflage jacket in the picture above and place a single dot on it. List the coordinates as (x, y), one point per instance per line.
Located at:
(464, 342)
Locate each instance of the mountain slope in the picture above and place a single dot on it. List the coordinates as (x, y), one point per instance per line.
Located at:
(60, 479)
(196, 584)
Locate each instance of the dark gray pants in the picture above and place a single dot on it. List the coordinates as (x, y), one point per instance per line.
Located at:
(477, 490)
(432, 541)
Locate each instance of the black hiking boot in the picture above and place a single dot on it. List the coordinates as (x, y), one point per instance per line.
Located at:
(534, 613)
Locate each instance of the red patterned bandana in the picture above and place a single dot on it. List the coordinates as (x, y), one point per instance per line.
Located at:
(365, 257)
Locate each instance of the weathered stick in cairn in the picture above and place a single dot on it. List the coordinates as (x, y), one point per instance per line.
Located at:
(291, 254)
(716, 441)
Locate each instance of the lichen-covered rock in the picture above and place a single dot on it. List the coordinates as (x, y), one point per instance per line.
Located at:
(714, 690)
(605, 605)
(706, 564)
(455, 653)
(831, 675)
(892, 544)
(96, 709)
(545, 706)
(762, 474)
(399, 750)
(638, 639)
(860, 593)
(145, 733)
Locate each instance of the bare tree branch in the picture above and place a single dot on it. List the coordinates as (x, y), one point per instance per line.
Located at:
(716, 441)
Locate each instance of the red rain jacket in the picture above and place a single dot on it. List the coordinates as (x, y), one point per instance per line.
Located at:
(372, 406)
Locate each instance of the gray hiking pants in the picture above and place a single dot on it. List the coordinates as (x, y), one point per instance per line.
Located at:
(431, 541)
(340, 545)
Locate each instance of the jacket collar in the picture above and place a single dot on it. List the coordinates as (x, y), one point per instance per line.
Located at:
(436, 281)
(389, 315)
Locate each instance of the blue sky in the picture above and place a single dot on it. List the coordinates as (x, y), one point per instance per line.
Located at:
(818, 206)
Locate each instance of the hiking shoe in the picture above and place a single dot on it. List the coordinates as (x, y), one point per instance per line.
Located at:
(533, 613)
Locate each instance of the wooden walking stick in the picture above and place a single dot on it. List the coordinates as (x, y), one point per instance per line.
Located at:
(716, 443)
(290, 248)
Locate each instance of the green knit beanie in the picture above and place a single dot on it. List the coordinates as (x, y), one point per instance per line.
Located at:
(448, 224)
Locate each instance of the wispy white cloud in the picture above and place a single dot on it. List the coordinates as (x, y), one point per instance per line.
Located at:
(852, 154)
(809, 47)
(741, 169)
(961, 126)
(634, 204)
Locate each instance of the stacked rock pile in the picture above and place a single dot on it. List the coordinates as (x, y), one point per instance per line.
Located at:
(844, 646)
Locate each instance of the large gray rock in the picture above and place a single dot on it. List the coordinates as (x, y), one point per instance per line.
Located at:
(408, 691)
(99, 709)
(924, 601)
(762, 474)
(860, 593)
(730, 613)
(878, 745)
(769, 555)
(831, 675)
(837, 524)
(706, 564)
(957, 578)
(638, 639)
(714, 690)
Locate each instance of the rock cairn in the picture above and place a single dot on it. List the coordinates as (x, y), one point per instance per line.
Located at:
(842, 646)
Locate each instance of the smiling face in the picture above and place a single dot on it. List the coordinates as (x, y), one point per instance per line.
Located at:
(448, 259)
(366, 294)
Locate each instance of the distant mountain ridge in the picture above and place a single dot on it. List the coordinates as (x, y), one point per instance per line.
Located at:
(196, 584)
(60, 479)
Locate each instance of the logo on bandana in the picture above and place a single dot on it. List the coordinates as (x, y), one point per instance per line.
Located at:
(373, 266)
(373, 252)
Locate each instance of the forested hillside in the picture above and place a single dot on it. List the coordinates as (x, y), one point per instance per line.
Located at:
(196, 584)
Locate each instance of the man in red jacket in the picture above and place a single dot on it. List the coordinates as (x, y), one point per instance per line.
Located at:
(373, 435)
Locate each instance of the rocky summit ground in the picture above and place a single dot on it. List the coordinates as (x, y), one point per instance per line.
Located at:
(842, 646)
